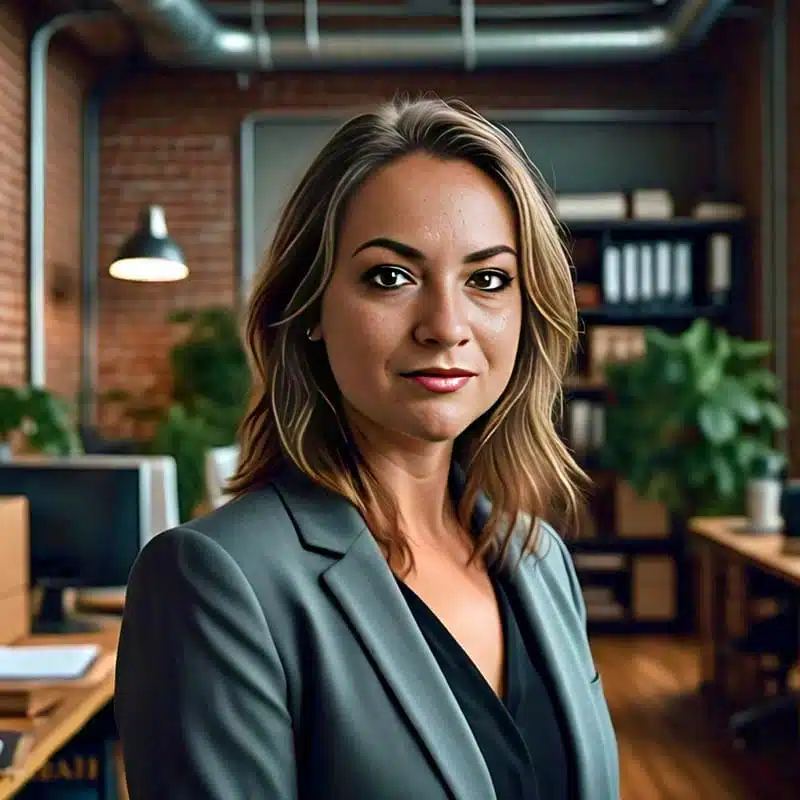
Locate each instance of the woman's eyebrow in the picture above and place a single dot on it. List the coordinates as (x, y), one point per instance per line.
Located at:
(412, 254)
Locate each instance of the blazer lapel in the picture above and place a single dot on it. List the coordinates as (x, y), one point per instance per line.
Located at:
(367, 594)
(370, 598)
(568, 668)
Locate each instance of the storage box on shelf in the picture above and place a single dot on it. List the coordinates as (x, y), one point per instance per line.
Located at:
(14, 592)
(631, 274)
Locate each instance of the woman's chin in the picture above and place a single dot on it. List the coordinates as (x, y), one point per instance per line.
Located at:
(438, 430)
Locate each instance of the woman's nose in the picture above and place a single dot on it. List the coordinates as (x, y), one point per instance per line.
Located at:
(443, 320)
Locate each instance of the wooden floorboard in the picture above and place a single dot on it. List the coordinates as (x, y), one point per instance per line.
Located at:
(673, 742)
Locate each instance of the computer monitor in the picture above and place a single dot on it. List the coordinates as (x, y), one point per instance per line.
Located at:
(164, 507)
(87, 526)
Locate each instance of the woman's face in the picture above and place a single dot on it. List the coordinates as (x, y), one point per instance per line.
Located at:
(421, 319)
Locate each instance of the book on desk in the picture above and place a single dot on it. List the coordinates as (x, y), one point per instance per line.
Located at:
(34, 677)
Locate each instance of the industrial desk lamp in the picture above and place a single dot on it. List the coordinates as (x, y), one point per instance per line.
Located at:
(150, 255)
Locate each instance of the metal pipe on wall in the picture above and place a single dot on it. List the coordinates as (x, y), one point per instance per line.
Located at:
(90, 245)
(186, 33)
(557, 10)
(37, 176)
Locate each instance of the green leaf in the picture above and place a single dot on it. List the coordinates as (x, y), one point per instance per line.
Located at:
(709, 377)
(734, 395)
(695, 339)
(751, 350)
(746, 450)
(761, 381)
(717, 423)
(724, 475)
(774, 415)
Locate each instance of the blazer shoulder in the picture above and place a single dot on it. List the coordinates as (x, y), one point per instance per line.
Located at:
(254, 530)
(554, 563)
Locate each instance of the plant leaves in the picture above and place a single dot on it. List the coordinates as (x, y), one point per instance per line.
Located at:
(774, 415)
(747, 350)
(717, 423)
(735, 396)
(761, 381)
(724, 475)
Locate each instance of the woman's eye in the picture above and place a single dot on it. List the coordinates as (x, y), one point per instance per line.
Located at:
(387, 277)
(489, 281)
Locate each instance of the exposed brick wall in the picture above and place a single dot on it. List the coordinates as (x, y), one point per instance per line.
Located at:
(68, 77)
(172, 138)
(13, 141)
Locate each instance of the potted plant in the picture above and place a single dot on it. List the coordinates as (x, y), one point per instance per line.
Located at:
(38, 420)
(692, 421)
(210, 388)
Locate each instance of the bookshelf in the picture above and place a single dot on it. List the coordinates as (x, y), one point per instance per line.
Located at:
(630, 555)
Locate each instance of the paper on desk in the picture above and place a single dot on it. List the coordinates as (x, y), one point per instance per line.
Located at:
(46, 662)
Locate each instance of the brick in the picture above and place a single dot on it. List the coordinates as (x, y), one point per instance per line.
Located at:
(67, 80)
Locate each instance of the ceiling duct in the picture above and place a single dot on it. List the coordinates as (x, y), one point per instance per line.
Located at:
(186, 33)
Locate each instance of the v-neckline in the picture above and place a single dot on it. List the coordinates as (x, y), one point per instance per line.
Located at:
(504, 697)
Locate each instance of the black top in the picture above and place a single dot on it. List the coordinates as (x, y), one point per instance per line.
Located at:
(522, 737)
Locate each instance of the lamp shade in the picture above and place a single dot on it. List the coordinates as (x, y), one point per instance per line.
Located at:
(150, 255)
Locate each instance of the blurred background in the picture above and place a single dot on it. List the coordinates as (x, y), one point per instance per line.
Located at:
(146, 149)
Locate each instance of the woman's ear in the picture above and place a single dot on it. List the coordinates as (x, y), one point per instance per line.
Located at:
(314, 334)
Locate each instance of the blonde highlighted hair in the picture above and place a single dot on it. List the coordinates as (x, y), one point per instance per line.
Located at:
(513, 453)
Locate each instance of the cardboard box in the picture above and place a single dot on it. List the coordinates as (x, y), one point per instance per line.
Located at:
(14, 569)
(639, 518)
(654, 587)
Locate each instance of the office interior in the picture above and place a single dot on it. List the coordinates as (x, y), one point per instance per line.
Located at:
(145, 157)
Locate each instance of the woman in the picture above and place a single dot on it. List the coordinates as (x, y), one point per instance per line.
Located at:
(361, 622)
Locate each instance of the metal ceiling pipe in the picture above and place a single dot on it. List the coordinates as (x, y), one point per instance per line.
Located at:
(185, 33)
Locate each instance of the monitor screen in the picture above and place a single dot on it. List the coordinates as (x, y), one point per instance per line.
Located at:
(163, 499)
(86, 522)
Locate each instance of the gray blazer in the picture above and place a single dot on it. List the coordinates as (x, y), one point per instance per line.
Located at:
(268, 654)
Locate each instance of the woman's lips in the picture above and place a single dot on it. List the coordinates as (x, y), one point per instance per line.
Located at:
(440, 384)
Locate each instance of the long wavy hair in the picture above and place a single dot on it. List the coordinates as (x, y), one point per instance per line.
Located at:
(513, 453)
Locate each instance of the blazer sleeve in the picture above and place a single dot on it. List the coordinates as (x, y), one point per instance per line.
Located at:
(200, 699)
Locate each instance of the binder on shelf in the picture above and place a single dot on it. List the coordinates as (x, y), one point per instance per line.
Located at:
(630, 273)
(646, 275)
(663, 270)
(719, 268)
(682, 265)
(612, 275)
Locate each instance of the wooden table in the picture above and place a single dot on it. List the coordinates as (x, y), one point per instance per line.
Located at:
(724, 552)
(56, 728)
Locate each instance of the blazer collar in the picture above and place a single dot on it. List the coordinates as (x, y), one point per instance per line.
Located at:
(367, 594)
(324, 520)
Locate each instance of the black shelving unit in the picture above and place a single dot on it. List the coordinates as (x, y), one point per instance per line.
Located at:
(607, 562)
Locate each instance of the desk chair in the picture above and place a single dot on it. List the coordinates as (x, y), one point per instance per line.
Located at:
(776, 636)
(221, 464)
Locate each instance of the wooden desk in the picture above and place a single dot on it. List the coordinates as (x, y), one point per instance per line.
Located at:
(724, 553)
(55, 729)
(764, 551)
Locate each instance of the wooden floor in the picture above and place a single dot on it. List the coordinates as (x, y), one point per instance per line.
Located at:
(672, 744)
